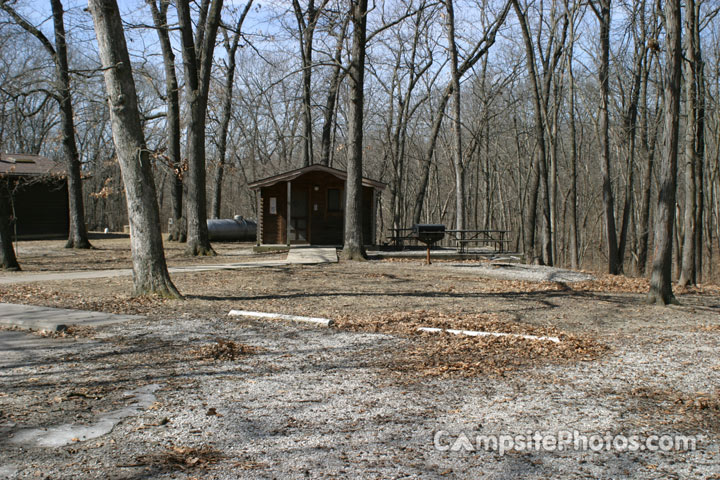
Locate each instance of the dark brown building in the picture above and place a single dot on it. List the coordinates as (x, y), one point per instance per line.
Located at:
(307, 206)
(39, 195)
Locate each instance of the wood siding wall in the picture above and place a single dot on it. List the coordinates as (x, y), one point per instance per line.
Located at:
(41, 210)
(324, 226)
(274, 227)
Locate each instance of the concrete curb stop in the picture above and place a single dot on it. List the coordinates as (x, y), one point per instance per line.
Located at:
(325, 322)
(472, 333)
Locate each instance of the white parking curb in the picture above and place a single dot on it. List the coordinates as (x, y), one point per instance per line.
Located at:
(325, 322)
(472, 333)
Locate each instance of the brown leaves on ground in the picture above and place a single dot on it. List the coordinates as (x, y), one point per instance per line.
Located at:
(223, 350)
(490, 356)
(181, 458)
(621, 284)
(71, 331)
(103, 301)
(709, 328)
(408, 323)
(447, 354)
(613, 284)
(699, 401)
(686, 410)
(603, 283)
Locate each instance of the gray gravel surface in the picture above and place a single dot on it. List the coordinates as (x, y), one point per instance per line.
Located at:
(520, 272)
(321, 403)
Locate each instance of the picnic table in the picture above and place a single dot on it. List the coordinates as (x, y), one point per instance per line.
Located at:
(462, 239)
(398, 237)
(496, 238)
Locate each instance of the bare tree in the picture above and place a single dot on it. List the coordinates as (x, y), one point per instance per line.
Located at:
(338, 72)
(77, 237)
(174, 157)
(573, 218)
(693, 142)
(409, 67)
(353, 248)
(306, 22)
(648, 143)
(479, 50)
(150, 274)
(197, 57)
(541, 94)
(700, 143)
(231, 46)
(604, 16)
(457, 154)
(629, 122)
(661, 278)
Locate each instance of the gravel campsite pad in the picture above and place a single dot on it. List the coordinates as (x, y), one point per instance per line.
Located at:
(190, 392)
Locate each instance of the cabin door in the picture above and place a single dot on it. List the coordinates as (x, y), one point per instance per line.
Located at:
(299, 215)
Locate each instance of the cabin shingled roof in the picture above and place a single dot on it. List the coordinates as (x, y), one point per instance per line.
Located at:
(27, 165)
(293, 174)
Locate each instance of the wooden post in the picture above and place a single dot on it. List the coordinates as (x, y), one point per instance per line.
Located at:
(258, 231)
(373, 218)
(289, 208)
(428, 255)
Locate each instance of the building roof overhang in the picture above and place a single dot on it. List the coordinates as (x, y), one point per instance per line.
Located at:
(293, 174)
(27, 165)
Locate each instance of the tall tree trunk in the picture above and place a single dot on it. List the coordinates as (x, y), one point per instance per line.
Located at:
(198, 66)
(689, 242)
(550, 60)
(700, 150)
(647, 147)
(77, 237)
(306, 30)
(150, 274)
(479, 51)
(331, 100)
(172, 121)
(392, 132)
(547, 236)
(661, 278)
(604, 17)
(8, 260)
(630, 127)
(573, 154)
(530, 220)
(552, 180)
(457, 154)
(353, 248)
(539, 179)
(488, 166)
(398, 137)
(428, 155)
(231, 47)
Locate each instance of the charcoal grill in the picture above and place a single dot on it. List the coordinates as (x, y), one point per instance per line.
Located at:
(428, 234)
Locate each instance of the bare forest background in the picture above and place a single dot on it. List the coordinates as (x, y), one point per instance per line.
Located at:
(537, 116)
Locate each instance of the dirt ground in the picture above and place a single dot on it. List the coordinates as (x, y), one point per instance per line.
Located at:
(113, 251)
(370, 397)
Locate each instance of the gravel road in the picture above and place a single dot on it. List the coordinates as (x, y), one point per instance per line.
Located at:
(189, 392)
(322, 403)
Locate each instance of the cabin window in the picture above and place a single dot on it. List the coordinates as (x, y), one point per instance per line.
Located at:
(273, 205)
(335, 203)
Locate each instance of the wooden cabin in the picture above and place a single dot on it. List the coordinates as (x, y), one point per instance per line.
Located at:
(307, 206)
(39, 195)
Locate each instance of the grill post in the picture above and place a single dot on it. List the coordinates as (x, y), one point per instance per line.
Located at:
(428, 234)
